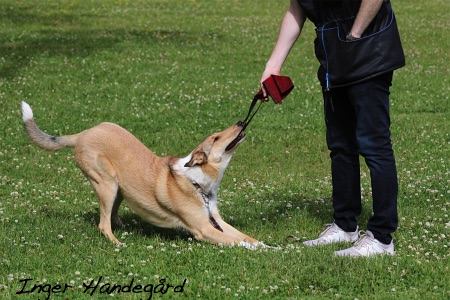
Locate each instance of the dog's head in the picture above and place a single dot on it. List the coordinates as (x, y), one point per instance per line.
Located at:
(218, 148)
(207, 163)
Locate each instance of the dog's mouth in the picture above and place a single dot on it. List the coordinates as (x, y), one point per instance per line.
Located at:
(238, 139)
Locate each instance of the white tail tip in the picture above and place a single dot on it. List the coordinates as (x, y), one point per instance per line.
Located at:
(27, 113)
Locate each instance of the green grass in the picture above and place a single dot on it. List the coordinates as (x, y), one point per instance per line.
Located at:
(173, 72)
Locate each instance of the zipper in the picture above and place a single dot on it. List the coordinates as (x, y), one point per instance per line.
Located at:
(327, 81)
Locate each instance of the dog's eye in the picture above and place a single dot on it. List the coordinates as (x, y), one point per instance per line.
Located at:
(216, 139)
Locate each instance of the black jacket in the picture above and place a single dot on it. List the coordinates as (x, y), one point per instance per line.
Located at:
(344, 62)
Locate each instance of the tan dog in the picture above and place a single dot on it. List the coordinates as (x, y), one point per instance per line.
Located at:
(165, 191)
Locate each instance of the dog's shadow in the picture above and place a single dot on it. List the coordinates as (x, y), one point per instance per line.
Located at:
(317, 210)
(136, 225)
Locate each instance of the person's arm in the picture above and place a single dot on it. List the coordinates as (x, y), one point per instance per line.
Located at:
(290, 30)
(367, 12)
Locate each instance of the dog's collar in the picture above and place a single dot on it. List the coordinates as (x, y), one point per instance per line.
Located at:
(206, 200)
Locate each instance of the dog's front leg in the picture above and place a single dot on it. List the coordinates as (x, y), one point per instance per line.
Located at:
(204, 231)
(227, 228)
(233, 232)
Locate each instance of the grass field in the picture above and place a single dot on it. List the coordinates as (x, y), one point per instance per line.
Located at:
(172, 72)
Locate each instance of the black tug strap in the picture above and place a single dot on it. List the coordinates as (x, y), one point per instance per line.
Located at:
(277, 87)
(250, 115)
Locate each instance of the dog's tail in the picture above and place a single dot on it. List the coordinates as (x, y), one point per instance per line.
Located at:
(39, 137)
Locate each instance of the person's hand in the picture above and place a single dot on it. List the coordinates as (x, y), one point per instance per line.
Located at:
(265, 75)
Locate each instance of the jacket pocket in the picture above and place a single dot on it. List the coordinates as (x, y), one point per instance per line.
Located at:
(346, 62)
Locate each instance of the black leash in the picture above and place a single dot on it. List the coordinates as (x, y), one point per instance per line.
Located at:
(277, 87)
(250, 115)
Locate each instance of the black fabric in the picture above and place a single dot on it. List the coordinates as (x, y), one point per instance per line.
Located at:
(358, 123)
(344, 62)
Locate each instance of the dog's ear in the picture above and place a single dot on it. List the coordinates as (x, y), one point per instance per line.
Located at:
(198, 158)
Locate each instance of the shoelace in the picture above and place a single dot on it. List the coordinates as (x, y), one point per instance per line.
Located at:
(329, 227)
(364, 240)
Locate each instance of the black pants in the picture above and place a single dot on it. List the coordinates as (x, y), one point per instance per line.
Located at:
(358, 121)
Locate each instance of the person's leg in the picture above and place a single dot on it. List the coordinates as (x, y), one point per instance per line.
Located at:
(340, 120)
(371, 102)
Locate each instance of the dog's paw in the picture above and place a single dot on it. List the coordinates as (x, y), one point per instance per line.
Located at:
(117, 222)
(120, 245)
(253, 246)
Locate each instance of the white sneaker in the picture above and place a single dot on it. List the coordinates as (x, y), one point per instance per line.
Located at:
(367, 246)
(333, 234)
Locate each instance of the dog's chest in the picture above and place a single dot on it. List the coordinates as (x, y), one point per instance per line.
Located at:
(210, 201)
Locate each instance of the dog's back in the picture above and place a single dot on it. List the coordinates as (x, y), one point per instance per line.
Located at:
(109, 148)
(106, 150)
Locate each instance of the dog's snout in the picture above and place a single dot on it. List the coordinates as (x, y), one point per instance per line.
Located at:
(240, 123)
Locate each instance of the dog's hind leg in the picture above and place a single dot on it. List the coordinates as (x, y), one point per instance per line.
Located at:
(107, 193)
(115, 210)
(102, 176)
